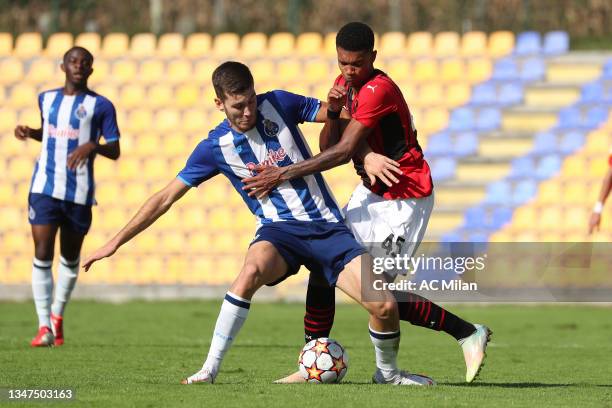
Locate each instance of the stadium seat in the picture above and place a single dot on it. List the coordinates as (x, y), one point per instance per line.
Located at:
(6, 44)
(58, 44)
(506, 70)
(124, 71)
(131, 96)
(399, 70)
(484, 94)
(12, 70)
(253, 45)
(439, 144)
(465, 143)
(187, 95)
(549, 192)
(329, 45)
(90, 41)
(309, 44)
(160, 95)
(488, 119)
(198, 45)
(524, 191)
(28, 45)
(203, 70)
(571, 141)
(479, 69)
(281, 45)
(532, 69)
(446, 44)
(44, 70)
(139, 120)
(143, 45)
(545, 143)
(425, 70)
(528, 43)
(452, 70)
(556, 43)
(548, 166)
(194, 121)
(151, 71)
(108, 90)
(115, 45)
(170, 45)
(420, 44)
(457, 94)
(443, 168)
(101, 72)
(462, 119)
(179, 71)
(318, 70)
(474, 44)
(501, 43)
(510, 93)
(392, 43)
(22, 96)
(433, 120)
(226, 44)
(498, 192)
(522, 167)
(430, 94)
(289, 70)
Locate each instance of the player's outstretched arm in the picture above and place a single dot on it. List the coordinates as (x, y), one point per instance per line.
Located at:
(606, 186)
(25, 132)
(152, 209)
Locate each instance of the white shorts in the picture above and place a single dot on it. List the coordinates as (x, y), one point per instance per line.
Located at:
(387, 228)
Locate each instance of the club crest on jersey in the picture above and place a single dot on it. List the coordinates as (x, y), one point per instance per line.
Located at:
(80, 113)
(271, 128)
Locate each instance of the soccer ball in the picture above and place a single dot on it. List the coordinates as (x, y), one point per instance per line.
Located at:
(323, 361)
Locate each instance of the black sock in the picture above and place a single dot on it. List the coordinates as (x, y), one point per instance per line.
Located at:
(419, 311)
(320, 310)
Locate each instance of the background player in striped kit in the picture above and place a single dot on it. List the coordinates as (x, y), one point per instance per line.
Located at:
(73, 119)
(390, 217)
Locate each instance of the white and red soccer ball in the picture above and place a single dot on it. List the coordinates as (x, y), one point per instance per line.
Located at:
(323, 361)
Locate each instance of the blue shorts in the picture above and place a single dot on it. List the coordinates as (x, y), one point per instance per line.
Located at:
(46, 210)
(323, 247)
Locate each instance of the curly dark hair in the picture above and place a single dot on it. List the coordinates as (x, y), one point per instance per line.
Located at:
(355, 36)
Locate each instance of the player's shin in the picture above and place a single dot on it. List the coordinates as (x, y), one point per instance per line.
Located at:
(66, 280)
(386, 346)
(320, 309)
(42, 290)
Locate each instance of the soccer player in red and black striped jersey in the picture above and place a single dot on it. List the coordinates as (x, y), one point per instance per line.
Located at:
(388, 217)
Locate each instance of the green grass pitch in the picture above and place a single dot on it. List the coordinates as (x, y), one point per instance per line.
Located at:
(135, 354)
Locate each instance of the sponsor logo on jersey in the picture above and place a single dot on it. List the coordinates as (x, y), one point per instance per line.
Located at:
(68, 133)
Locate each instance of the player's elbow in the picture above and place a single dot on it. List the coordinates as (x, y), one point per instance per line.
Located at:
(115, 153)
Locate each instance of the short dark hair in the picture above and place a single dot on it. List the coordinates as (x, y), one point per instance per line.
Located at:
(85, 51)
(231, 78)
(355, 36)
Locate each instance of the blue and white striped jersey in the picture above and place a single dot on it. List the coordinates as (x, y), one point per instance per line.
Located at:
(69, 121)
(275, 140)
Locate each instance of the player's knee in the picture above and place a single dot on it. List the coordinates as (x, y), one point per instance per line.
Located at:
(43, 250)
(249, 280)
(385, 310)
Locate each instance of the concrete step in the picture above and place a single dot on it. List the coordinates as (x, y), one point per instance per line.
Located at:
(552, 94)
(502, 147)
(528, 118)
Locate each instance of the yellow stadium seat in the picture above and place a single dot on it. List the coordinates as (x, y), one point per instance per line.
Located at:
(100, 73)
(548, 219)
(11, 218)
(318, 70)
(399, 70)
(8, 121)
(420, 44)
(573, 165)
(430, 94)
(457, 94)
(106, 169)
(147, 144)
(143, 45)
(156, 168)
(329, 45)
(474, 44)
(179, 71)
(139, 120)
(263, 70)
(208, 97)
(425, 70)
(160, 95)
(131, 96)
(20, 169)
(393, 43)
(124, 71)
(28, 45)
(226, 44)
(31, 117)
(107, 191)
(187, 95)
(12, 70)
(152, 71)
(309, 44)
(598, 141)
(549, 192)
(434, 119)
(2, 94)
(289, 70)
(128, 169)
(253, 45)
(195, 120)
(107, 90)
(574, 193)
(575, 218)
(23, 95)
(409, 91)
(89, 41)
(167, 119)
(598, 166)
(203, 71)
(452, 70)
(446, 44)
(115, 45)
(281, 44)
(17, 242)
(6, 44)
(58, 44)
(134, 194)
(479, 70)
(501, 43)
(175, 145)
(199, 241)
(43, 70)
(170, 45)
(198, 45)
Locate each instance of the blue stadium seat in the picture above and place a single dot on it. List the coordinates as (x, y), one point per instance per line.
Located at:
(607, 93)
(484, 94)
(548, 166)
(478, 237)
(545, 143)
(570, 118)
(533, 69)
(451, 237)
(522, 167)
(524, 191)
(475, 218)
(500, 216)
(510, 93)
(528, 43)
(607, 70)
(439, 144)
(556, 42)
(592, 92)
(465, 143)
(462, 119)
(488, 119)
(595, 116)
(443, 168)
(498, 192)
(506, 69)
(571, 141)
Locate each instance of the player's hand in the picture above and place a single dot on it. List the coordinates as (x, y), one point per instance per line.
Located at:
(267, 178)
(22, 132)
(80, 155)
(336, 98)
(378, 165)
(594, 222)
(104, 252)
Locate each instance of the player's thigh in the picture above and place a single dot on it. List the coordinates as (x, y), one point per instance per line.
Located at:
(263, 264)
(71, 242)
(44, 240)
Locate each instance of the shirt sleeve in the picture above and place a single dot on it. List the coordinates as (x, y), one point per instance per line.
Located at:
(108, 122)
(373, 105)
(40, 99)
(301, 108)
(200, 166)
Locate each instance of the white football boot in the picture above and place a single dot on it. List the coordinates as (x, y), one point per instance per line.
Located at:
(474, 351)
(203, 376)
(402, 378)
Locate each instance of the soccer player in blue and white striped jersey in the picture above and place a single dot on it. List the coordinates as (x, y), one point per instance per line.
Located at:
(299, 221)
(73, 119)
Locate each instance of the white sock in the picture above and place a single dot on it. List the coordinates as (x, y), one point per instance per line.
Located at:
(386, 346)
(234, 311)
(42, 290)
(66, 280)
